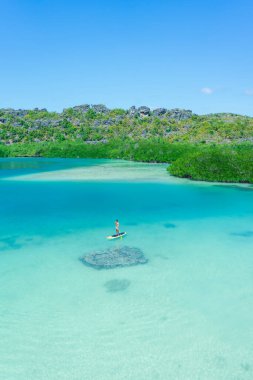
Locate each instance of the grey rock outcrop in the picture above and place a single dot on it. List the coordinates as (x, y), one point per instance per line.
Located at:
(100, 108)
(82, 108)
(108, 122)
(179, 114)
(159, 111)
(144, 111)
(96, 123)
(15, 113)
(132, 111)
(31, 129)
(144, 133)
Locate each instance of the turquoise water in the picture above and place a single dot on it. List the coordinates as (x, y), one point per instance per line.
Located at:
(187, 314)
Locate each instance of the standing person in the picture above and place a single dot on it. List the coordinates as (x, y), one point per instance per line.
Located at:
(117, 226)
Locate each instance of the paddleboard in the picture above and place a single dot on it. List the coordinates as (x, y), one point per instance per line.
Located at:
(120, 235)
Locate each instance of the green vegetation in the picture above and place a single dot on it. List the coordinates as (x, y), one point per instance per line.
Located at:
(156, 150)
(100, 124)
(215, 147)
(218, 163)
(223, 163)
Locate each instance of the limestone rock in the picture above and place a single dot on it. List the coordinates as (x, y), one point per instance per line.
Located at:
(179, 114)
(159, 111)
(100, 108)
(144, 111)
(82, 108)
(132, 111)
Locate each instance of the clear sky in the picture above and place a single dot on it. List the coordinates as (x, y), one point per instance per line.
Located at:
(161, 53)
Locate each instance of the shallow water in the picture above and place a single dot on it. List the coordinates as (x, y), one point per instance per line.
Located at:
(186, 314)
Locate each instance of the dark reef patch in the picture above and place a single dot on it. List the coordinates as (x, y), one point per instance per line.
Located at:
(243, 234)
(116, 285)
(162, 257)
(220, 361)
(9, 242)
(114, 257)
(246, 367)
(169, 225)
(236, 187)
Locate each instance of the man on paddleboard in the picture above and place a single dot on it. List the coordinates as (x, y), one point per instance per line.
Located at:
(117, 226)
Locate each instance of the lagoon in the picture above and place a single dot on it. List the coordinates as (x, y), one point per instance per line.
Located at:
(186, 314)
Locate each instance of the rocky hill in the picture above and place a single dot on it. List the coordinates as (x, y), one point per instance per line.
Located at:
(97, 123)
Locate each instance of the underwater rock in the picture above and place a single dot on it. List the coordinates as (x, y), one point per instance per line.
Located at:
(243, 234)
(114, 257)
(236, 187)
(114, 286)
(169, 225)
(10, 242)
(246, 367)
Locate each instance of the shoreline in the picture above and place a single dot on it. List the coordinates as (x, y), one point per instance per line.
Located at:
(113, 170)
(194, 162)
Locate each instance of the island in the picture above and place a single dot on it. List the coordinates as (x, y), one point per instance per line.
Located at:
(213, 147)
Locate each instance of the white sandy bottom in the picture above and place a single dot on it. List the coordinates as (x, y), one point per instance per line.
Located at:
(116, 170)
(187, 314)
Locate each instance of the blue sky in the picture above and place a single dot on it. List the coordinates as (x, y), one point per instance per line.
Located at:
(176, 53)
